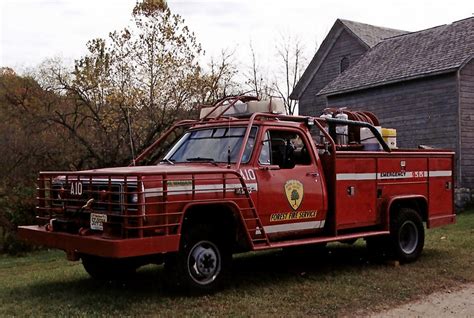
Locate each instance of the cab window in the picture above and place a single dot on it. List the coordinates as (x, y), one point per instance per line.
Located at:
(285, 149)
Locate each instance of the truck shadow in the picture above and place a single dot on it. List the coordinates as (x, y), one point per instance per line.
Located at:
(250, 271)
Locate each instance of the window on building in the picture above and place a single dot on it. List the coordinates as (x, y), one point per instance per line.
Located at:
(345, 62)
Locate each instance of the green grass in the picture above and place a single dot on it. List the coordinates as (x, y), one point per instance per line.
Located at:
(343, 282)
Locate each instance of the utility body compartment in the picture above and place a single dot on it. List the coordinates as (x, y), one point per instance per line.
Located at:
(368, 183)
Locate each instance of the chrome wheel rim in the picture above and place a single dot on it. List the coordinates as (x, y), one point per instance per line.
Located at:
(204, 262)
(408, 237)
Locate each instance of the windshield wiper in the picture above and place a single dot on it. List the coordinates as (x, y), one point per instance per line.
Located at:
(203, 159)
(167, 161)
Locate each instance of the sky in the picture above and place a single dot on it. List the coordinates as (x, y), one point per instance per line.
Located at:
(34, 30)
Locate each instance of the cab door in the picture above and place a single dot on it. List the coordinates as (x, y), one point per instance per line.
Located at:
(291, 199)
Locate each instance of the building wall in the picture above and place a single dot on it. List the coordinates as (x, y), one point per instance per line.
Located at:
(424, 111)
(345, 45)
(466, 119)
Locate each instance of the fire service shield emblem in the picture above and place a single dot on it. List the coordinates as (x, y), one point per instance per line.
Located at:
(294, 193)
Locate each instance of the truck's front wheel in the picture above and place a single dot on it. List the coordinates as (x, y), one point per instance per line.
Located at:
(202, 263)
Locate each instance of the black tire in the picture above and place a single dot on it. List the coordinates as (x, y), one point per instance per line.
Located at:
(102, 268)
(407, 235)
(202, 263)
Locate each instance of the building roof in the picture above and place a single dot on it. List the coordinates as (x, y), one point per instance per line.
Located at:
(428, 52)
(368, 35)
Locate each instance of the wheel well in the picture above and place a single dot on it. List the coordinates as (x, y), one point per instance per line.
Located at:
(417, 204)
(223, 217)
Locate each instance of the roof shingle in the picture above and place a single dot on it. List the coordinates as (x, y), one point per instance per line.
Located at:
(370, 34)
(437, 50)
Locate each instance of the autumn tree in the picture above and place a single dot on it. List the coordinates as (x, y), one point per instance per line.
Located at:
(135, 84)
(28, 144)
(113, 103)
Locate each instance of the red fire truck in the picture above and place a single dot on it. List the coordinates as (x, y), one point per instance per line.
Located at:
(244, 178)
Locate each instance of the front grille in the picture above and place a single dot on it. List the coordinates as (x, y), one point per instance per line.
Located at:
(108, 197)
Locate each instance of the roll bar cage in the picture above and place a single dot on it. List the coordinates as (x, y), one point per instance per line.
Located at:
(232, 100)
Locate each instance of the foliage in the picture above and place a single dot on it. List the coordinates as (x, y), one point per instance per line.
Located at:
(116, 101)
(28, 144)
(17, 208)
(132, 86)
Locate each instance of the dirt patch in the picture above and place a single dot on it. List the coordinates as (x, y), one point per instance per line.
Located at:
(458, 303)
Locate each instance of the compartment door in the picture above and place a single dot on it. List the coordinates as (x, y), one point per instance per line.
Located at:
(356, 192)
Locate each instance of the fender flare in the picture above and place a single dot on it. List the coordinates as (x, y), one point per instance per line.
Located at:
(229, 203)
(397, 198)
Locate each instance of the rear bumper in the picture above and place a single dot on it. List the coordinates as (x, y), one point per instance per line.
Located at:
(97, 245)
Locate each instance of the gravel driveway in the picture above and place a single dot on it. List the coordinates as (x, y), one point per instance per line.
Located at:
(458, 303)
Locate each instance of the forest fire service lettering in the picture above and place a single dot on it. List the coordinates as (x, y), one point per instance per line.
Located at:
(275, 217)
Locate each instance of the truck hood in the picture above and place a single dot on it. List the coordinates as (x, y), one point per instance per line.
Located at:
(162, 168)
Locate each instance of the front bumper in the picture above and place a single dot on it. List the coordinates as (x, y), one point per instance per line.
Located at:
(97, 245)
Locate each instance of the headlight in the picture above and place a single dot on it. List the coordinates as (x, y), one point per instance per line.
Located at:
(134, 198)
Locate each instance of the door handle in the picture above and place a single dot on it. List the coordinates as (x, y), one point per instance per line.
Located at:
(313, 174)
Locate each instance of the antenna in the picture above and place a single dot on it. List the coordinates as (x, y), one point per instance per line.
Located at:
(228, 144)
(132, 148)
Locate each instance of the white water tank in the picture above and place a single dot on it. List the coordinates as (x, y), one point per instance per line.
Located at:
(368, 140)
(322, 138)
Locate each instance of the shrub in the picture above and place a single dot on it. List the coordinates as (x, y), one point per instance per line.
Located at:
(17, 205)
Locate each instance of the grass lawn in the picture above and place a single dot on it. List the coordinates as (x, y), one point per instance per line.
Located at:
(343, 282)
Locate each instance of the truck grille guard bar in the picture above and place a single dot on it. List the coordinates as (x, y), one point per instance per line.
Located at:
(66, 200)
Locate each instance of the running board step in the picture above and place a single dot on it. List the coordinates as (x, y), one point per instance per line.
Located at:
(320, 239)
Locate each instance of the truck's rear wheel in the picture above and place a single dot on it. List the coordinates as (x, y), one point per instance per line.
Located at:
(102, 268)
(202, 263)
(407, 235)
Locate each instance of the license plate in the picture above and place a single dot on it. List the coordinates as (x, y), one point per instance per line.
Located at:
(97, 221)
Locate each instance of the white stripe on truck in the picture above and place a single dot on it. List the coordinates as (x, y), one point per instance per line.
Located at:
(205, 188)
(294, 226)
(395, 175)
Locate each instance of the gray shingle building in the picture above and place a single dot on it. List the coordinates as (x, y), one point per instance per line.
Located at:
(421, 83)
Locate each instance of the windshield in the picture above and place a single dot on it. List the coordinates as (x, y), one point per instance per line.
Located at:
(212, 145)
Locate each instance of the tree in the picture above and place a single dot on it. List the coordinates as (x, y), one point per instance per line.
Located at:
(219, 80)
(290, 52)
(28, 144)
(116, 100)
(290, 64)
(131, 86)
(255, 78)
